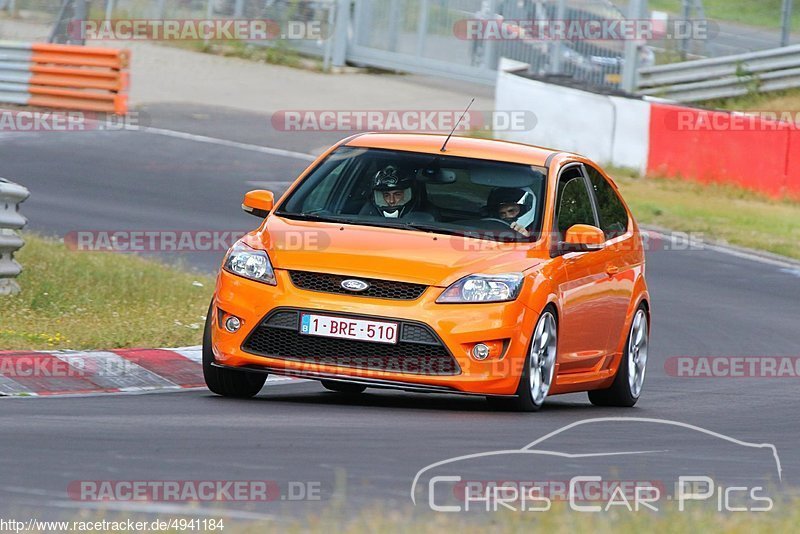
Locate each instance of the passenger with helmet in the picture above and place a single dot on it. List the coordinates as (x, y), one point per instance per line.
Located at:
(511, 205)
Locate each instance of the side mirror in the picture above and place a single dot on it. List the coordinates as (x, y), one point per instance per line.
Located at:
(258, 202)
(582, 238)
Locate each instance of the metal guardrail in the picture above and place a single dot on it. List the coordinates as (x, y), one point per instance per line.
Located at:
(64, 76)
(11, 195)
(723, 77)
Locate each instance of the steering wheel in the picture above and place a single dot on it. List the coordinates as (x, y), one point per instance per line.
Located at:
(497, 220)
(494, 219)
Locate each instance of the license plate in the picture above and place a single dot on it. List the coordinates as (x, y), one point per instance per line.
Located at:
(347, 328)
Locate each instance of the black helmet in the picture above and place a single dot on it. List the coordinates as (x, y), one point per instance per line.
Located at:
(509, 195)
(390, 178)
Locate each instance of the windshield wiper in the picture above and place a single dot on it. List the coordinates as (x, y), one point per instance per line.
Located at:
(424, 228)
(475, 234)
(313, 217)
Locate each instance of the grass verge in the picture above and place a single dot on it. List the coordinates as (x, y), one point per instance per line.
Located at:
(91, 300)
(766, 13)
(776, 101)
(559, 519)
(718, 212)
(277, 54)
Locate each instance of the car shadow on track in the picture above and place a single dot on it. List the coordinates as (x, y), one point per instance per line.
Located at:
(379, 400)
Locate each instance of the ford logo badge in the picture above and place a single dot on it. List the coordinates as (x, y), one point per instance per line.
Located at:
(351, 284)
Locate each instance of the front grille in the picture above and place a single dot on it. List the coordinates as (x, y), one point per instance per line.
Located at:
(418, 350)
(381, 289)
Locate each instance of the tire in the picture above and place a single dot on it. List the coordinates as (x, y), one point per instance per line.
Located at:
(541, 359)
(343, 387)
(626, 389)
(226, 382)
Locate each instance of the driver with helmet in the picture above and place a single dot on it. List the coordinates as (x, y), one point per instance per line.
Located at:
(510, 205)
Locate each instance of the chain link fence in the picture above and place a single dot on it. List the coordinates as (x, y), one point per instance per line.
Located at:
(429, 37)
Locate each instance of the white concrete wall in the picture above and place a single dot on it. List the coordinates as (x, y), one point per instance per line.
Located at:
(631, 140)
(609, 130)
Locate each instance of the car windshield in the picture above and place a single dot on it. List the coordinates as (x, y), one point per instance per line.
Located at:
(423, 192)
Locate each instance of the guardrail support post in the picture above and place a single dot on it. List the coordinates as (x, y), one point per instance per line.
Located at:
(11, 195)
(786, 22)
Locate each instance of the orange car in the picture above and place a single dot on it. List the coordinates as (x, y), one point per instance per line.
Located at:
(481, 268)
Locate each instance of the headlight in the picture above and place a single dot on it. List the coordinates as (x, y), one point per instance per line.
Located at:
(249, 263)
(483, 288)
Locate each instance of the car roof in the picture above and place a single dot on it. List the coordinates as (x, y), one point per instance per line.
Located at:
(468, 147)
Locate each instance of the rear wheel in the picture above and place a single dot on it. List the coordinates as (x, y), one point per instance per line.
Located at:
(537, 376)
(628, 383)
(343, 387)
(226, 382)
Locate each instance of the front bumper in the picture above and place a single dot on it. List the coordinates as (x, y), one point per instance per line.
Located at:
(457, 326)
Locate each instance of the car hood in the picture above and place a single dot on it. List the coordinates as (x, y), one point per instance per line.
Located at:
(388, 253)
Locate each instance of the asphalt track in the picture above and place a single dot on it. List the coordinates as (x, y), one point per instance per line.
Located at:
(365, 449)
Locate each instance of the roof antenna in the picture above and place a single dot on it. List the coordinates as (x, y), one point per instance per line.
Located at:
(444, 145)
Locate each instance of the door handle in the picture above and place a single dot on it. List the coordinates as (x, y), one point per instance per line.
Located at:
(611, 270)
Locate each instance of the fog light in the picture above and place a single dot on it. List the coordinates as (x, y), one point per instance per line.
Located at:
(232, 324)
(480, 351)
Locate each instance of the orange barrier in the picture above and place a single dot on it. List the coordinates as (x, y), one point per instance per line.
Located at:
(718, 146)
(66, 76)
(793, 165)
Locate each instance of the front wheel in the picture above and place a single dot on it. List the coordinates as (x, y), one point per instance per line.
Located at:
(226, 382)
(540, 365)
(627, 386)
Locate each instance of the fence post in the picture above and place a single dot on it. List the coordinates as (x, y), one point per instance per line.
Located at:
(488, 60)
(161, 9)
(556, 47)
(81, 11)
(630, 69)
(686, 12)
(786, 22)
(11, 195)
(394, 24)
(340, 34)
(238, 9)
(209, 15)
(422, 27)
